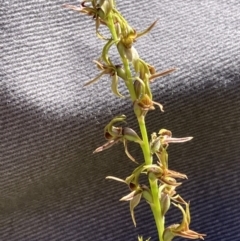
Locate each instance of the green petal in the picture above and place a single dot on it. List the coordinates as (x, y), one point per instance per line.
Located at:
(165, 203)
(155, 145)
(114, 86)
(159, 105)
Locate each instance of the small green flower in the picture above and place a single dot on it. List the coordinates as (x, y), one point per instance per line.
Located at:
(144, 104)
(165, 176)
(166, 195)
(112, 71)
(130, 37)
(133, 180)
(99, 10)
(159, 145)
(135, 195)
(115, 134)
(182, 229)
(137, 190)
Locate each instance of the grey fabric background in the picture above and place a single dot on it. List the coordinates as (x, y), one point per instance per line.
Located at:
(52, 186)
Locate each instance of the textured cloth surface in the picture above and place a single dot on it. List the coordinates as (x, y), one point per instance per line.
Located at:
(52, 186)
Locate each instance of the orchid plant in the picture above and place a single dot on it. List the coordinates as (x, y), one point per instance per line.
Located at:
(160, 192)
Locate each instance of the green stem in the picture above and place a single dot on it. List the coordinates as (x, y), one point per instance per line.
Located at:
(128, 81)
(155, 207)
(111, 27)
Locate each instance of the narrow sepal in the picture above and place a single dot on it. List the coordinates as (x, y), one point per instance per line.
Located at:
(133, 203)
(147, 30)
(127, 152)
(95, 79)
(161, 74)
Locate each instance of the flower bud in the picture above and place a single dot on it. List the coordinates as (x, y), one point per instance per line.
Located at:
(139, 88)
(147, 195)
(165, 203)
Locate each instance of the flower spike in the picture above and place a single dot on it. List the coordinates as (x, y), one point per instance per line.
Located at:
(138, 76)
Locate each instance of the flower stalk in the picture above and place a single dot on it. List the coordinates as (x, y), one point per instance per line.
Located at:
(160, 192)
